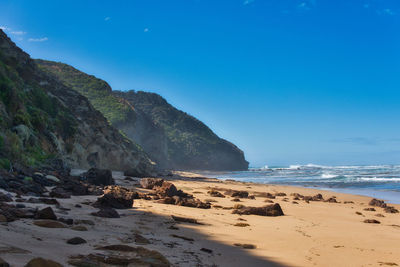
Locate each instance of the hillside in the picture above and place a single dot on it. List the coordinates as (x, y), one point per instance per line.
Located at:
(172, 138)
(43, 119)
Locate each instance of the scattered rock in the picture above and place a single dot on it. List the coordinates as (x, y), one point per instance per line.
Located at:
(79, 228)
(240, 194)
(331, 200)
(358, 213)
(106, 213)
(66, 221)
(236, 200)
(183, 237)
(76, 241)
(369, 209)
(49, 224)
(371, 221)
(280, 194)
(270, 210)
(241, 224)
(348, 202)
(184, 219)
(46, 214)
(99, 177)
(5, 198)
(377, 203)
(150, 183)
(390, 209)
(40, 262)
(379, 215)
(116, 197)
(206, 250)
(215, 193)
(59, 192)
(52, 178)
(245, 246)
(166, 190)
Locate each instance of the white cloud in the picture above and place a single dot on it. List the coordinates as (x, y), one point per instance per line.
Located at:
(43, 39)
(18, 33)
(107, 18)
(366, 5)
(146, 29)
(248, 2)
(388, 11)
(3, 28)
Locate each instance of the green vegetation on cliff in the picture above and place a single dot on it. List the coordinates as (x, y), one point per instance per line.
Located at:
(97, 91)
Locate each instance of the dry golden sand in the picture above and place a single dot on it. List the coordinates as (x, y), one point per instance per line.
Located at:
(310, 234)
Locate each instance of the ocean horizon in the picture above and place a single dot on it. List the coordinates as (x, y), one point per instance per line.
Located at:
(378, 181)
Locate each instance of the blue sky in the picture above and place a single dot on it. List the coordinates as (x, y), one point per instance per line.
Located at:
(287, 81)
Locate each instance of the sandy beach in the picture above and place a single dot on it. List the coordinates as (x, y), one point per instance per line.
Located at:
(311, 233)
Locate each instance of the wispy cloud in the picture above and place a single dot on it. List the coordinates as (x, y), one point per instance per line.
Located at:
(388, 11)
(43, 39)
(3, 28)
(18, 32)
(146, 30)
(306, 5)
(107, 18)
(366, 5)
(248, 2)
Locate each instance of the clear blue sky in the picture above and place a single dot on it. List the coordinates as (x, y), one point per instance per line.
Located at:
(287, 81)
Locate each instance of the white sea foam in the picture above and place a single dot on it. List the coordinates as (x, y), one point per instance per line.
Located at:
(378, 179)
(328, 175)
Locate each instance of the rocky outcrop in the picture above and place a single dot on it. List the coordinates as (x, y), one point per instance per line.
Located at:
(172, 138)
(42, 117)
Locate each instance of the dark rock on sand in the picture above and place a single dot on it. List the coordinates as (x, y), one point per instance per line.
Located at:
(49, 224)
(79, 228)
(116, 197)
(270, 210)
(245, 246)
(106, 213)
(215, 193)
(240, 194)
(369, 209)
(68, 221)
(391, 209)
(46, 214)
(377, 203)
(371, 221)
(99, 177)
(185, 219)
(150, 183)
(76, 241)
(166, 190)
(331, 200)
(40, 262)
(59, 192)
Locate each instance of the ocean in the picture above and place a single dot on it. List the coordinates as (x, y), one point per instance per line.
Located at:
(380, 181)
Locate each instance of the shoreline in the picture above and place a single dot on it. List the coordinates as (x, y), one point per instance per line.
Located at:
(310, 232)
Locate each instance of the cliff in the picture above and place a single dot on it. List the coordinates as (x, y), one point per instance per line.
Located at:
(172, 138)
(41, 118)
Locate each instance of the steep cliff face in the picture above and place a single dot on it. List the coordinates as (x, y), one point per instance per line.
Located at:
(42, 118)
(172, 138)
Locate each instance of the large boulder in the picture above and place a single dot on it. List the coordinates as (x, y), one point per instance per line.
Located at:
(150, 183)
(99, 176)
(46, 214)
(377, 203)
(106, 213)
(116, 197)
(270, 210)
(40, 262)
(166, 190)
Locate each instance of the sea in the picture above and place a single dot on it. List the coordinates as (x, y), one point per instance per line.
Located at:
(378, 181)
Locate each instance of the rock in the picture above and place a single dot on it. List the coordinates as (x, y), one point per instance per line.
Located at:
(241, 224)
(88, 222)
(52, 178)
(371, 221)
(150, 183)
(139, 171)
(3, 263)
(139, 239)
(379, 215)
(369, 209)
(106, 213)
(270, 210)
(390, 209)
(280, 194)
(215, 193)
(377, 203)
(207, 250)
(5, 198)
(317, 197)
(331, 200)
(184, 219)
(46, 213)
(245, 246)
(236, 200)
(240, 194)
(166, 190)
(79, 228)
(66, 221)
(59, 192)
(40, 262)
(99, 177)
(49, 224)
(116, 197)
(76, 241)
